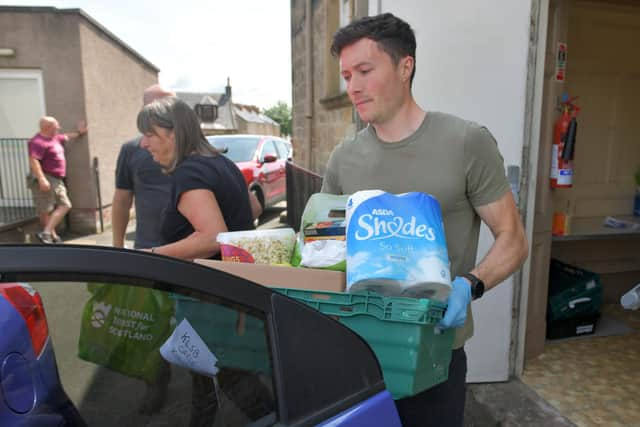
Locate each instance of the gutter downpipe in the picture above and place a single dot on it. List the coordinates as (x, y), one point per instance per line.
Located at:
(308, 107)
(533, 118)
(96, 172)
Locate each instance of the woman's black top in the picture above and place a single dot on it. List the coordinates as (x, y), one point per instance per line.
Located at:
(220, 176)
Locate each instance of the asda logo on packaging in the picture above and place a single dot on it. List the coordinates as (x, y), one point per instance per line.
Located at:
(382, 224)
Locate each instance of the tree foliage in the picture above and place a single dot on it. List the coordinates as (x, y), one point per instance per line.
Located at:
(281, 113)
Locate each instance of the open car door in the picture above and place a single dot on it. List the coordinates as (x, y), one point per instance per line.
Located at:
(167, 342)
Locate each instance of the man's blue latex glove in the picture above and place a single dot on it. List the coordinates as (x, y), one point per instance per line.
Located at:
(459, 299)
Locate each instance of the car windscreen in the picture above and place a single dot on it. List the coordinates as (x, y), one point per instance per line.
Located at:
(239, 149)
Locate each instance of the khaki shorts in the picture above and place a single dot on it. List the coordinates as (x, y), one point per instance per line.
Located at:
(45, 202)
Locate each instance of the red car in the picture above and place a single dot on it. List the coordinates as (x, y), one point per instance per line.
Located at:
(262, 159)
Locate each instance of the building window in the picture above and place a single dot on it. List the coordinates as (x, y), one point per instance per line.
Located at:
(346, 16)
(208, 113)
(338, 14)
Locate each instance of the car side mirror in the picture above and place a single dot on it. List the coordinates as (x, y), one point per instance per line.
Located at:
(269, 158)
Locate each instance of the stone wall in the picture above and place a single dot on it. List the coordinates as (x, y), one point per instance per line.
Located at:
(253, 128)
(331, 114)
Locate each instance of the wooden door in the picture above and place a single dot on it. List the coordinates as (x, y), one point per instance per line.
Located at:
(604, 71)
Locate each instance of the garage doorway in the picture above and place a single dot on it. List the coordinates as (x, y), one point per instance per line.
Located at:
(592, 381)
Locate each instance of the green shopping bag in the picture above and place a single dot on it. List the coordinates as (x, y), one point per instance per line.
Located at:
(123, 328)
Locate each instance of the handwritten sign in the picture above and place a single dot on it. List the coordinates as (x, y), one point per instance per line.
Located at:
(185, 348)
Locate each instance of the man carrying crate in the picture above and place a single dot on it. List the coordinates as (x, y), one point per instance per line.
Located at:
(454, 160)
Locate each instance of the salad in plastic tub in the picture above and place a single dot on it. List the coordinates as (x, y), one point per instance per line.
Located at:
(273, 246)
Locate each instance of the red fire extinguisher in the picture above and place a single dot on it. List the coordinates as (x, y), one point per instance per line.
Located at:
(564, 143)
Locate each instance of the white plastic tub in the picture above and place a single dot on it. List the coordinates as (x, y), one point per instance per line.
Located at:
(258, 246)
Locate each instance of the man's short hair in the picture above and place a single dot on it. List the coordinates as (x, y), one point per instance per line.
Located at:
(393, 35)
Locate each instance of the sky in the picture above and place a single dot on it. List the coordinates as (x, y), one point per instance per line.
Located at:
(197, 44)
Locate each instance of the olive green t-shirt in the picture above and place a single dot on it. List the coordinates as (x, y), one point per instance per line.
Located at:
(454, 160)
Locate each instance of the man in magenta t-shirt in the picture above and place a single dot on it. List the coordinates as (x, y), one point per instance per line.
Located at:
(48, 169)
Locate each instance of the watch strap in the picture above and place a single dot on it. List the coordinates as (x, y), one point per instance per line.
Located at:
(477, 285)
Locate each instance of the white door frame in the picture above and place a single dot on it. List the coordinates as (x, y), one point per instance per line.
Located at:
(25, 74)
(15, 73)
(532, 140)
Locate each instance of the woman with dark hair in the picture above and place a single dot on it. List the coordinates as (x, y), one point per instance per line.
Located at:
(208, 195)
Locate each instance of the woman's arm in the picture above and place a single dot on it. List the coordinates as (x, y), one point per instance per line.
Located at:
(256, 207)
(201, 209)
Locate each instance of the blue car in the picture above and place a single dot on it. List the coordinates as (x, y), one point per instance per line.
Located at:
(30, 389)
(272, 360)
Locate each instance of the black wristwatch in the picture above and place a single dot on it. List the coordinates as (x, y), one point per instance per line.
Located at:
(477, 285)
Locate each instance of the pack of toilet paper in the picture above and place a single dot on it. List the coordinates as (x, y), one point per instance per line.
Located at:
(396, 245)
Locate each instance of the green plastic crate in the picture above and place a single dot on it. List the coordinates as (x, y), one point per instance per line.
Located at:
(237, 339)
(573, 291)
(414, 355)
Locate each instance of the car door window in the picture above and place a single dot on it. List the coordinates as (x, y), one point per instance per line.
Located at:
(269, 148)
(283, 152)
(143, 340)
(112, 342)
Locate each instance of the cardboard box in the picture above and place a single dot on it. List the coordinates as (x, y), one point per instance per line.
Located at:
(326, 228)
(282, 277)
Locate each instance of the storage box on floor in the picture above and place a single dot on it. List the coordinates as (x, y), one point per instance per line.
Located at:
(414, 355)
(575, 299)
